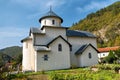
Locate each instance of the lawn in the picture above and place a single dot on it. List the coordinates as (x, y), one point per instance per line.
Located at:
(103, 72)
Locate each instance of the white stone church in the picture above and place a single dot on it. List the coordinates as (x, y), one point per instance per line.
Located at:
(52, 47)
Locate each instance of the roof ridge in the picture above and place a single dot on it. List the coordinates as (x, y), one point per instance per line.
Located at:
(80, 33)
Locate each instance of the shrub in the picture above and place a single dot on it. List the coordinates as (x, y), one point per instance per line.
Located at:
(116, 69)
(55, 76)
(73, 66)
(43, 71)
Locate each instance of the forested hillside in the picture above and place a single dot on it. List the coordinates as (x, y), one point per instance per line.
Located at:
(9, 53)
(13, 51)
(105, 24)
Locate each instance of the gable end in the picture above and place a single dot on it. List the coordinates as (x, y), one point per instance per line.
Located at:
(83, 48)
(56, 39)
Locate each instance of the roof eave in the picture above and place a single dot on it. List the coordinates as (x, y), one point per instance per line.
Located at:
(53, 27)
(43, 50)
(50, 17)
(80, 36)
(27, 38)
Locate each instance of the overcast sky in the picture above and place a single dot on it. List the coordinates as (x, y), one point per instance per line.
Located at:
(17, 16)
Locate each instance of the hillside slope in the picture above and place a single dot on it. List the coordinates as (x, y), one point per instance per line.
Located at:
(10, 53)
(105, 24)
(13, 51)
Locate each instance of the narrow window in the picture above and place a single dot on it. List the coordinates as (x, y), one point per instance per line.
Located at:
(59, 23)
(70, 48)
(103, 54)
(45, 22)
(45, 57)
(59, 47)
(26, 44)
(53, 22)
(89, 55)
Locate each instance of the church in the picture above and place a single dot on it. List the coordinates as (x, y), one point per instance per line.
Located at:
(53, 47)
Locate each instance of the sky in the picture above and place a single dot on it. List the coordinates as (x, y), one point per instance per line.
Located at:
(18, 16)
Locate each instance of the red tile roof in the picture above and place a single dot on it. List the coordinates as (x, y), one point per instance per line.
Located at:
(107, 49)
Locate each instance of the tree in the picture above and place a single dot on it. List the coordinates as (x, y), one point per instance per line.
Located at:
(18, 62)
(19, 59)
(117, 41)
(5, 71)
(117, 54)
(111, 57)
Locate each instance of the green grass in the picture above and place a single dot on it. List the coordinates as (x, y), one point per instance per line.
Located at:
(103, 73)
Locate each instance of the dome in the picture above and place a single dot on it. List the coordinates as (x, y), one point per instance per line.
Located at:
(50, 14)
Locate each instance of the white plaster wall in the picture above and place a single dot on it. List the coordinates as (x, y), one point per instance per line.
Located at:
(31, 35)
(50, 34)
(84, 60)
(82, 40)
(103, 54)
(28, 63)
(56, 60)
(76, 43)
(48, 22)
(54, 32)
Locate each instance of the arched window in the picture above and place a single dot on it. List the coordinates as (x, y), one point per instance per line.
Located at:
(53, 22)
(89, 55)
(59, 47)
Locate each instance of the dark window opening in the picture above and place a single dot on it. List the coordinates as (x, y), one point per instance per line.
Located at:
(59, 47)
(90, 56)
(53, 22)
(45, 57)
(103, 54)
